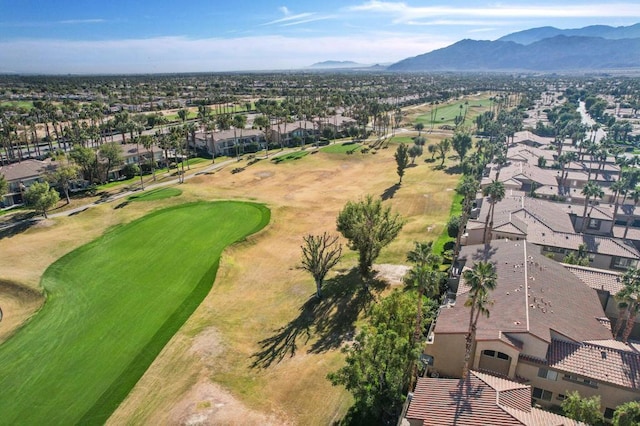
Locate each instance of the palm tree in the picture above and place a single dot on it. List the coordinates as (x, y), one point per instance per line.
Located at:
(635, 196)
(481, 279)
(629, 300)
(148, 142)
(496, 192)
(590, 190)
(468, 188)
(618, 187)
(239, 121)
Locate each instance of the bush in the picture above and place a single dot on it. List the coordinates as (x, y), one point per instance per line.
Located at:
(131, 170)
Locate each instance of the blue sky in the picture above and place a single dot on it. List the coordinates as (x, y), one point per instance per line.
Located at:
(143, 36)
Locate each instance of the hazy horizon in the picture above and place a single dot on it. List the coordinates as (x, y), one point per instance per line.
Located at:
(119, 37)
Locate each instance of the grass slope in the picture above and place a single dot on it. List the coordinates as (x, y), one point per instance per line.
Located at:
(112, 306)
(155, 194)
(341, 148)
(447, 113)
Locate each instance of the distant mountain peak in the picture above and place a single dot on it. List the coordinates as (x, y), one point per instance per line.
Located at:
(604, 31)
(336, 64)
(546, 49)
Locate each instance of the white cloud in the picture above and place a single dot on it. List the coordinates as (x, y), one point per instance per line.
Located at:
(453, 22)
(82, 21)
(180, 54)
(403, 13)
(290, 18)
(284, 10)
(311, 19)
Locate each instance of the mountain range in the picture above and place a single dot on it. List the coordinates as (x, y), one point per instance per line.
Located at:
(544, 49)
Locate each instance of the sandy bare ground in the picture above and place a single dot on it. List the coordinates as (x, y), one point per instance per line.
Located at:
(261, 301)
(18, 303)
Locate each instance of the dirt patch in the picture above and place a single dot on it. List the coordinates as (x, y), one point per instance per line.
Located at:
(44, 223)
(207, 345)
(207, 403)
(393, 274)
(263, 174)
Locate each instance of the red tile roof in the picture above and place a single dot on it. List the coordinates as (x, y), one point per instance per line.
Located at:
(481, 399)
(533, 295)
(597, 279)
(602, 363)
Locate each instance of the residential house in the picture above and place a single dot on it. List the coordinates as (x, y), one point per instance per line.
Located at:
(135, 154)
(546, 329)
(290, 133)
(481, 399)
(20, 176)
(225, 142)
(555, 228)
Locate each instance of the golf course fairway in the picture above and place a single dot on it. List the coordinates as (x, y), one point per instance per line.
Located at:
(111, 307)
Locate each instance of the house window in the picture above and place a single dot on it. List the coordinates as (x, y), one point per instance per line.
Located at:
(594, 224)
(622, 262)
(554, 249)
(561, 397)
(608, 413)
(542, 394)
(495, 354)
(547, 374)
(576, 379)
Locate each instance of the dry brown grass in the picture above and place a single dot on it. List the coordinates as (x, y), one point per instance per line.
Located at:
(258, 291)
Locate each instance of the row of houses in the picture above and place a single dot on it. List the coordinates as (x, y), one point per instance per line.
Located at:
(222, 143)
(20, 176)
(232, 142)
(550, 326)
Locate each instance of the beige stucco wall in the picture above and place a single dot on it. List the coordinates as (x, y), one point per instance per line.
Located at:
(532, 345)
(448, 353)
(473, 236)
(610, 396)
(495, 364)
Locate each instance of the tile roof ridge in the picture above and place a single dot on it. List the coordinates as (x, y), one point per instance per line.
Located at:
(526, 285)
(590, 269)
(630, 348)
(620, 244)
(540, 221)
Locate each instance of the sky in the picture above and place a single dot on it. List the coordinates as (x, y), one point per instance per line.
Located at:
(159, 36)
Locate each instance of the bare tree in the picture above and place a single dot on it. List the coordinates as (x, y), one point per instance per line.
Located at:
(320, 253)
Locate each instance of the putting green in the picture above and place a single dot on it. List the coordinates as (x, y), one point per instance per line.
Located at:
(111, 307)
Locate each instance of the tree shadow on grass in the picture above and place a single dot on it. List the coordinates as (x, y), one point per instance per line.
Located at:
(16, 228)
(390, 192)
(453, 170)
(330, 320)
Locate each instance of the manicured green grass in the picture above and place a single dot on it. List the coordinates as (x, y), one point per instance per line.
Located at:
(111, 307)
(407, 140)
(155, 194)
(198, 160)
(290, 157)
(18, 104)
(111, 185)
(447, 113)
(456, 210)
(341, 148)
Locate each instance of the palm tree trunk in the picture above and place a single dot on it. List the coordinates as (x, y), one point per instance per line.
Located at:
(584, 213)
(468, 344)
(486, 224)
(633, 313)
(619, 321)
